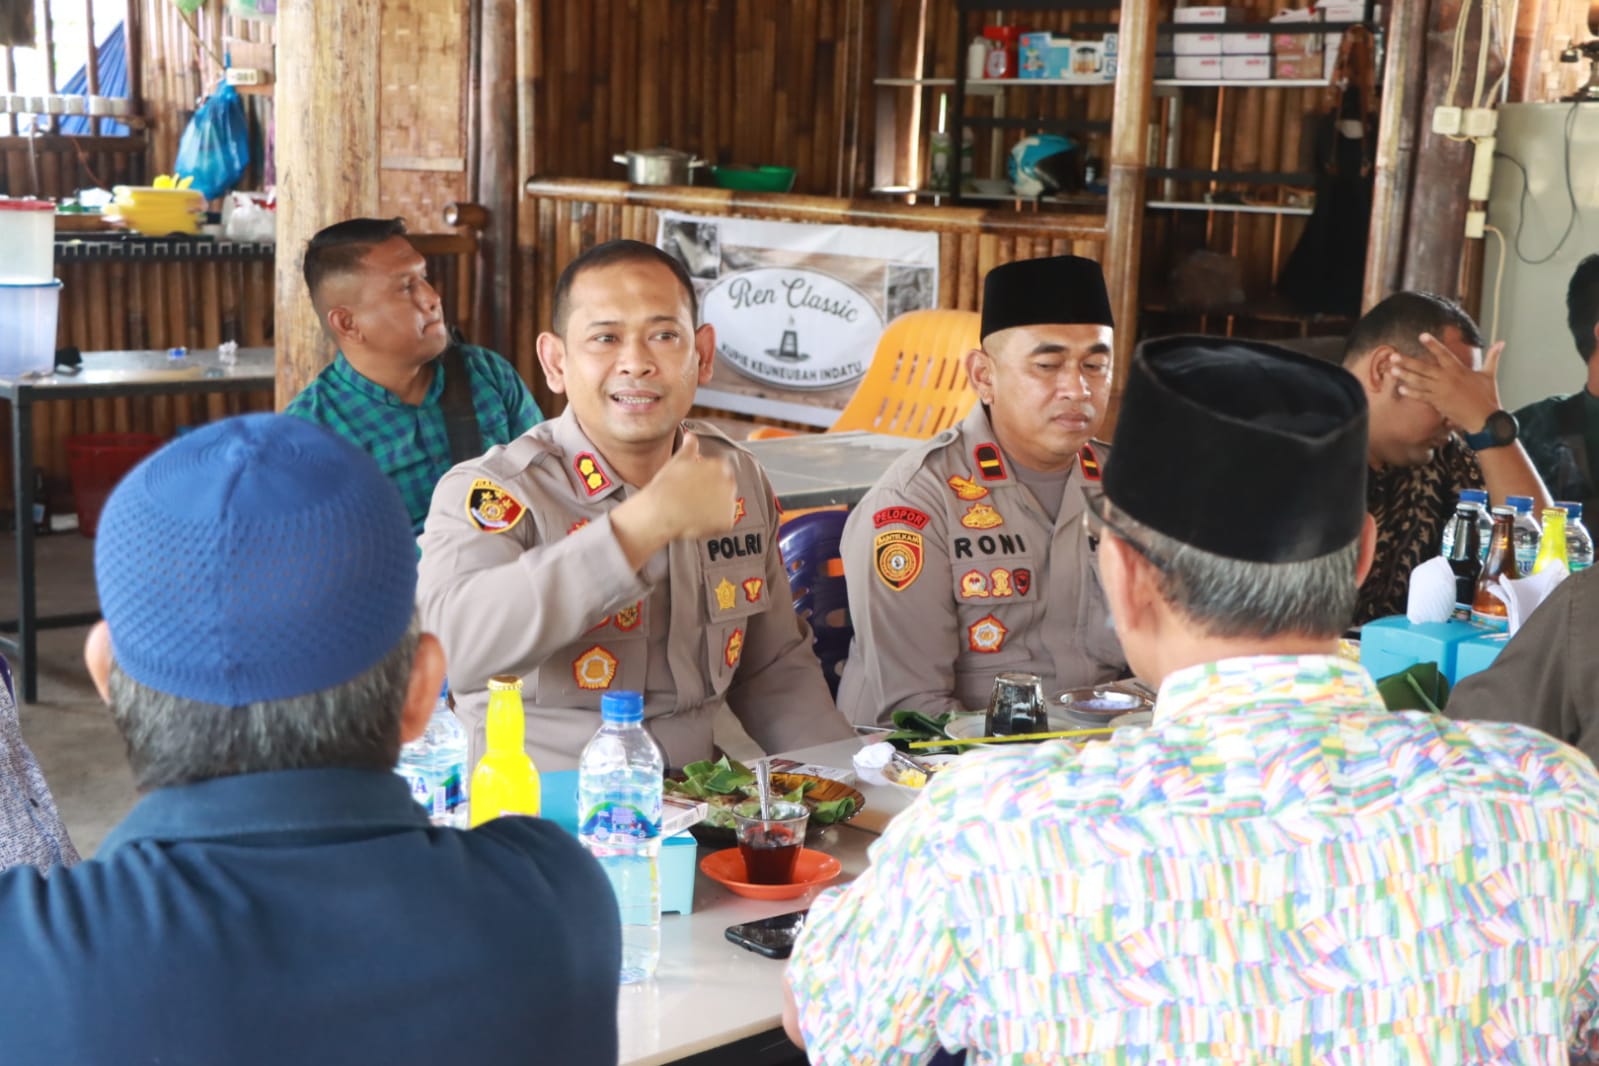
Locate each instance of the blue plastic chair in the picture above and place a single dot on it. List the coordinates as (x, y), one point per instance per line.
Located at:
(809, 545)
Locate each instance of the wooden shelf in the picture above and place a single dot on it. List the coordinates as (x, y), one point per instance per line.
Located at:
(1242, 209)
(1248, 83)
(1083, 200)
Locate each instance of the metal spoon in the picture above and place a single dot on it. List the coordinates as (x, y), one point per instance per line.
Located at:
(763, 785)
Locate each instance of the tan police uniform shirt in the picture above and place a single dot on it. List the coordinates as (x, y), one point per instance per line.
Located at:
(521, 574)
(956, 573)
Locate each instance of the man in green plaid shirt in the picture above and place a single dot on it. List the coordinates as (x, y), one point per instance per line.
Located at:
(384, 390)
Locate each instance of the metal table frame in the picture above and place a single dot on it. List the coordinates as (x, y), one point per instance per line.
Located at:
(105, 375)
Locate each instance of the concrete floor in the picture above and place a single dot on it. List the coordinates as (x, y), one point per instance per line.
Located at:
(69, 729)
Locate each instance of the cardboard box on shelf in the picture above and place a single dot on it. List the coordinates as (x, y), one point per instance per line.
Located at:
(1246, 44)
(1196, 44)
(1208, 14)
(1245, 68)
(1032, 52)
(1197, 68)
(1296, 44)
(1296, 68)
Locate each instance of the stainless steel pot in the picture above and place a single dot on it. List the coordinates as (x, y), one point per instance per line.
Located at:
(659, 166)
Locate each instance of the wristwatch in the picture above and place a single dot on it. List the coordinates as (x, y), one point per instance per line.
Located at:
(1501, 429)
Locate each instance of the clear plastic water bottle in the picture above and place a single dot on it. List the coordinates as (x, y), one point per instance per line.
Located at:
(1525, 533)
(1478, 500)
(619, 786)
(1579, 542)
(434, 765)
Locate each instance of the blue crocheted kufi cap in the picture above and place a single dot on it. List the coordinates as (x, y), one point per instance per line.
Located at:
(257, 558)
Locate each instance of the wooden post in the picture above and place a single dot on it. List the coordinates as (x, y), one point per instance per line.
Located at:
(327, 155)
(1404, 82)
(1129, 149)
(498, 183)
(1435, 235)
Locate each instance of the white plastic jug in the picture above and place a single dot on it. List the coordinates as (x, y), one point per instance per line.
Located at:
(27, 233)
(28, 313)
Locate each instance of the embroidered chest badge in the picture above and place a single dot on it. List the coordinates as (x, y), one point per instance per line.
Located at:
(990, 467)
(986, 634)
(628, 618)
(492, 509)
(594, 669)
(1023, 580)
(974, 585)
(734, 649)
(752, 589)
(726, 595)
(981, 516)
(899, 557)
(594, 478)
(908, 516)
(738, 511)
(966, 489)
(579, 524)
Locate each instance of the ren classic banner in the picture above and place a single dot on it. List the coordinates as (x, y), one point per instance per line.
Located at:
(797, 308)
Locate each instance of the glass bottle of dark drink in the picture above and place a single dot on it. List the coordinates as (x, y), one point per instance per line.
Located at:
(1486, 608)
(1464, 554)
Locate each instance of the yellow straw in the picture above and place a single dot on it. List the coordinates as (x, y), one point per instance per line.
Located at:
(1012, 739)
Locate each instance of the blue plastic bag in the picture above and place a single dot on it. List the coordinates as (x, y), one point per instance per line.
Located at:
(215, 149)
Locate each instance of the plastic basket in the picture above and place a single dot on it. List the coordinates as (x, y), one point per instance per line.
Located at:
(97, 462)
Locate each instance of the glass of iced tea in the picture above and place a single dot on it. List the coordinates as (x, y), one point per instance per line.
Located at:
(770, 846)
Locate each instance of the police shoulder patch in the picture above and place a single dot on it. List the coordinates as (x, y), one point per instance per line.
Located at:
(593, 475)
(491, 508)
(1089, 461)
(990, 465)
(899, 557)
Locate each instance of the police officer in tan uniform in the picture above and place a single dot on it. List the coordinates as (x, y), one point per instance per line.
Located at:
(968, 559)
(619, 547)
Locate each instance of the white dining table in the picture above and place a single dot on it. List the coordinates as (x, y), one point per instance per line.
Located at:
(711, 996)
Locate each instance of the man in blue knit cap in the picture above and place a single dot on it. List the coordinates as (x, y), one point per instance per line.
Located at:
(277, 896)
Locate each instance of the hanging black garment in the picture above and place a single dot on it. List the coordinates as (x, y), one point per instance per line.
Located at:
(1326, 271)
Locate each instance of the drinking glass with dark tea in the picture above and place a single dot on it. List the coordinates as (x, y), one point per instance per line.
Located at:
(1017, 705)
(770, 846)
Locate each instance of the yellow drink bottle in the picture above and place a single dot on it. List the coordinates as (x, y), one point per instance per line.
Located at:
(1552, 545)
(505, 781)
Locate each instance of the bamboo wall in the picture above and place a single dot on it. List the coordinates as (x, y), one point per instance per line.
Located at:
(737, 81)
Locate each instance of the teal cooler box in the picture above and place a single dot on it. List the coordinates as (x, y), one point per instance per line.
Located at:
(1389, 645)
(678, 853)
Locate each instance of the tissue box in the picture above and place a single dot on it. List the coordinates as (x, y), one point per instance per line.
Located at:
(1389, 645)
(1477, 653)
(678, 853)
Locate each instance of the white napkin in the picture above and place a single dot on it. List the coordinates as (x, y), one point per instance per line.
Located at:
(1432, 592)
(1522, 596)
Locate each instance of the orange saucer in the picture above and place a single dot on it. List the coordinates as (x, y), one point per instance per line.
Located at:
(811, 869)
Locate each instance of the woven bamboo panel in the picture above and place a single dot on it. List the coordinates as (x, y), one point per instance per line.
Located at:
(423, 69)
(736, 81)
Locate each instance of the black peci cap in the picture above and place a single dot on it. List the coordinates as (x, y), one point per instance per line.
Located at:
(1062, 290)
(1241, 449)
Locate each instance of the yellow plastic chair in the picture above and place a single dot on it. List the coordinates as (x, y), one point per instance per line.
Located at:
(916, 385)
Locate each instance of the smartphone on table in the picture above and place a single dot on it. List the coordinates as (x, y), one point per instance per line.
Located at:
(773, 937)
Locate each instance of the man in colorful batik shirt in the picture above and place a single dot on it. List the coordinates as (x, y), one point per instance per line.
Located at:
(1277, 869)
